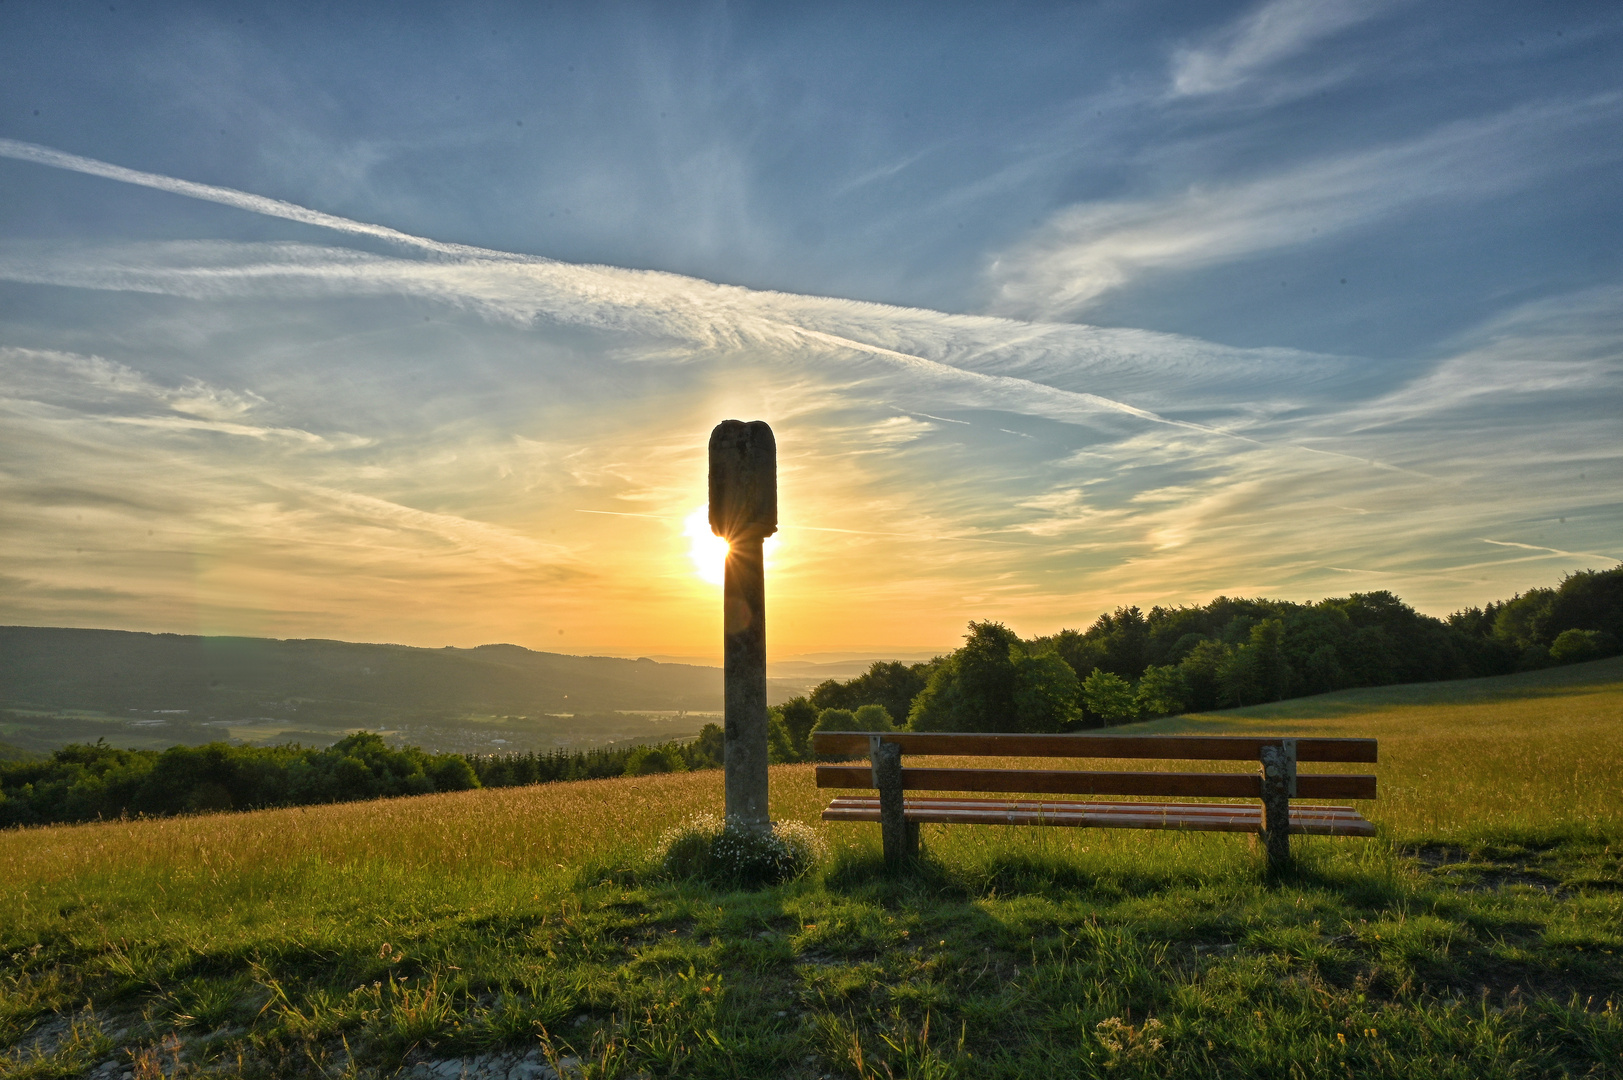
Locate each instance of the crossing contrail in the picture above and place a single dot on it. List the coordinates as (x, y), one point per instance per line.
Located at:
(243, 200)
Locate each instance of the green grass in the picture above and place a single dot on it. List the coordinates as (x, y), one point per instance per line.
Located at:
(1481, 934)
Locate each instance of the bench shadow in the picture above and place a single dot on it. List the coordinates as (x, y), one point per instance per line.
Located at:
(866, 875)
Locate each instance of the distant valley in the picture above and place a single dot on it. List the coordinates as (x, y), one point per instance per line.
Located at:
(60, 685)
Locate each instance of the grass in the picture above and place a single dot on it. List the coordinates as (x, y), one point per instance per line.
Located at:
(1480, 935)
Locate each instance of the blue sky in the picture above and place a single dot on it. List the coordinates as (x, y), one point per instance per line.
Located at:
(410, 325)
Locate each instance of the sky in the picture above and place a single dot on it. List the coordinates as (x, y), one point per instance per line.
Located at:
(409, 323)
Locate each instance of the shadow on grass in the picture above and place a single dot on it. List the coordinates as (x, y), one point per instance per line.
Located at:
(1369, 888)
(1367, 883)
(866, 875)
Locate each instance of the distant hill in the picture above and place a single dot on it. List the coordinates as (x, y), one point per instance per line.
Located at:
(329, 683)
(15, 753)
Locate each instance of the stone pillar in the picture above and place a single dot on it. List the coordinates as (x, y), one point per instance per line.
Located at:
(1278, 788)
(744, 512)
(900, 836)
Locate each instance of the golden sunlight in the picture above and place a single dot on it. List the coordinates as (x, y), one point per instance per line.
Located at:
(707, 550)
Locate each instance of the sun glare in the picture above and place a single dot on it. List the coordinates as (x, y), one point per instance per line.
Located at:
(709, 551)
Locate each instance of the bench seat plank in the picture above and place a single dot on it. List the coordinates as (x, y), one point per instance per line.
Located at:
(1202, 817)
(1079, 782)
(1164, 747)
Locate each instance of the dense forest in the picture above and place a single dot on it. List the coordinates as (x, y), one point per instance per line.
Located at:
(1131, 665)
(1128, 665)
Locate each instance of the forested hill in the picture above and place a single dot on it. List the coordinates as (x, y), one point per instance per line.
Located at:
(116, 671)
(1132, 665)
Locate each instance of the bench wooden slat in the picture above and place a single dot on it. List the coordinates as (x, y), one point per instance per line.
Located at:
(1078, 782)
(1220, 817)
(1164, 747)
(863, 804)
(1146, 805)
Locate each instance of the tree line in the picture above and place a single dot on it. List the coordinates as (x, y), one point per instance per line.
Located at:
(1128, 665)
(90, 782)
(1133, 665)
(518, 769)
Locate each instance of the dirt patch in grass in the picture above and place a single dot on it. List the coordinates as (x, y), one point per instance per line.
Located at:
(1474, 871)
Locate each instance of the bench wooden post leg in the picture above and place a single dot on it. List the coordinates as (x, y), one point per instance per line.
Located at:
(1278, 785)
(901, 838)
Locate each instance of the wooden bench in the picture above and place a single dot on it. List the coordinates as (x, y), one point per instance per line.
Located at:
(1273, 785)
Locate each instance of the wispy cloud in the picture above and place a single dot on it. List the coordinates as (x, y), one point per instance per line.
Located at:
(963, 359)
(349, 477)
(975, 360)
(1564, 352)
(1090, 249)
(1274, 31)
(126, 396)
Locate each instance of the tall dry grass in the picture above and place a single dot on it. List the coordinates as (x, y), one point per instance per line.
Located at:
(1525, 754)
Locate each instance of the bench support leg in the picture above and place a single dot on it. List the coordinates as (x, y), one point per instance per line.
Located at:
(901, 837)
(1278, 785)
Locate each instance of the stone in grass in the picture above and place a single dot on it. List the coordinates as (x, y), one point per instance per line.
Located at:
(531, 1066)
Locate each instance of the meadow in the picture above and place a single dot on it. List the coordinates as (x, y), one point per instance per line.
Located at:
(1480, 935)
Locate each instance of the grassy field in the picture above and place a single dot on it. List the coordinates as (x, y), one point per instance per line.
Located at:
(1480, 935)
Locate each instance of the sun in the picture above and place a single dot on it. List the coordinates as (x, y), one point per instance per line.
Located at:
(709, 551)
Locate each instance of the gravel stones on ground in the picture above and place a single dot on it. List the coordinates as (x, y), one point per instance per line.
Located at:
(511, 1066)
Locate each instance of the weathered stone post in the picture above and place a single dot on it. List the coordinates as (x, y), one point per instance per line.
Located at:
(744, 512)
(900, 836)
(1278, 788)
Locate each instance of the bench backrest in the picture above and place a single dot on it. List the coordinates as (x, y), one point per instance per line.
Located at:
(1077, 782)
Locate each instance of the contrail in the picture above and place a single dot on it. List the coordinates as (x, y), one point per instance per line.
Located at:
(622, 513)
(1551, 550)
(242, 200)
(260, 204)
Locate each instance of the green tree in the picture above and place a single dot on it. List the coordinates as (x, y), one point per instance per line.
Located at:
(890, 683)
(1124, 636)
(986, 678)
(1109, 696)
(1323, 671)
(1587, 600)
(451, 772)
(1519, 621)
(973, 689)
(709, 750)
(937, 706)
(780, 743)
(1076, 649)
(835, 720)
(1257, 671)
(1047, 692)
(1161, 692)
(1202, 672)
(874, 718)
(648, 760)
(1576, 646)
(833, 694)
(799, 716)
(867, 718)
